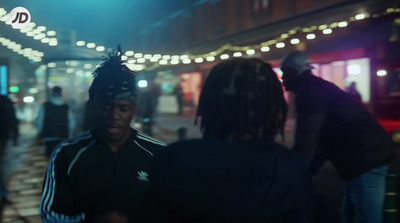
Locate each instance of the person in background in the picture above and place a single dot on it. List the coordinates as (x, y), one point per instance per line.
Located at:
(55, 121)
(353, 92)
(179, 97)
(8, 130)
(237, 173)
(147, 106)
(331, 125)
(102, 175)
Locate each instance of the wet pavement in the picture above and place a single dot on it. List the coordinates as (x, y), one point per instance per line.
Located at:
(25, 166)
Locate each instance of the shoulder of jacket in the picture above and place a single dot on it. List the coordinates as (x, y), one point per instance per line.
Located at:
(148, 143)
(74, 144)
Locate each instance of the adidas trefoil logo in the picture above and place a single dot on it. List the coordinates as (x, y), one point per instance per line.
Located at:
(143, 176)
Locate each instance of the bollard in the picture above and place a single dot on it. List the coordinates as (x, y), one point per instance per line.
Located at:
(391, 206)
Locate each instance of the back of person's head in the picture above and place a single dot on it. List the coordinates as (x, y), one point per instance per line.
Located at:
(113, 80)
(56, 91)
(242, 97)
(297, 60)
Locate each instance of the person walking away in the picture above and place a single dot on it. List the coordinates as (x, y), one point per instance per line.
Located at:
(55, 121)
(237, 173)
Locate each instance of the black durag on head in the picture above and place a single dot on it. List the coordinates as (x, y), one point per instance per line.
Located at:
(113, 80)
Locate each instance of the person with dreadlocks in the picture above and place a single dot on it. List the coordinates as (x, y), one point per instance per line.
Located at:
(102, 174)
(237, 173)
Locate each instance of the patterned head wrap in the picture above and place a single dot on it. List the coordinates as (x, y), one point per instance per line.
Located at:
(113, 80)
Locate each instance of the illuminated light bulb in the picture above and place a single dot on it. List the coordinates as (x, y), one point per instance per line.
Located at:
(91, 45)
(322, 27)
(327, 31)
(51, 64)
(100, 48)
(284, 36)
(37, 37)
(51, 33)
(333, 25)
(70, 70)
(80, 43)
(141, 60)
(210, 58)
(250, 52)
(29, 99)
(154, 59)
(53, 43)
(224, 56)
(33, 90)
(175, 57)
(237, 54)
(87, 66)
(40, 54)
(129, 53)
(199, 60)
(37, 59)
(381, 73)
(294, 41)
(280, 45)
(166, 57)
(183, 57)
(138, 55)
(131, 61)
(174, 61)
(163, 62)
(265, 49)
(342, 24)
(142, 83)
(186, 61)
(45, 40)
(147, 56)
(26, 29)
(32, 24)
(360, 16)
(123, 57)
(139, 67)
(310, 36)
(41, 28)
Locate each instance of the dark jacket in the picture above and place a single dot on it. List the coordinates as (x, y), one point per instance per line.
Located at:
(55, 121)
(220, 181)
(85, 179)
(347, 135)
(8, 120)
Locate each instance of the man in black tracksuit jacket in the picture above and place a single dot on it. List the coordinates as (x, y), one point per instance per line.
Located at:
(102, 175)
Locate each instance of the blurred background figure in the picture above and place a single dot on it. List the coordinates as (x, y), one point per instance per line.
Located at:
(8, 130)
(353, 92)
(332, 126)
(55, 121)
(179, 97)
(147, 105)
